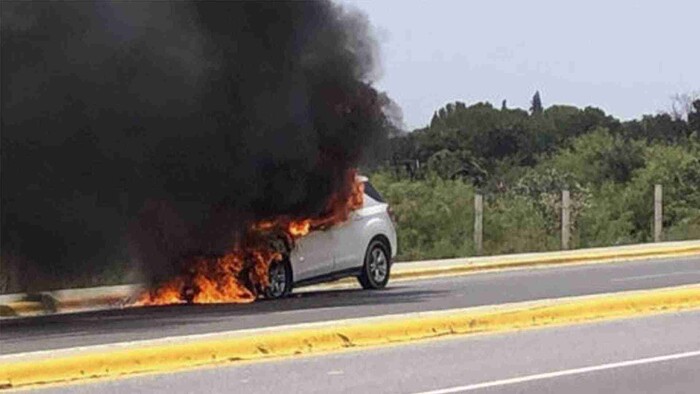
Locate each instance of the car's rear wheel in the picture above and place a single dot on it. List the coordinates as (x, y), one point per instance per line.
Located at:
(280, 280)
(375, 271)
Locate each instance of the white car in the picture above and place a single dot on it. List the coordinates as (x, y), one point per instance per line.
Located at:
(363, 246)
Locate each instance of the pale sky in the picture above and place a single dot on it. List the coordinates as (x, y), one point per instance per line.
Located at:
(627, 57)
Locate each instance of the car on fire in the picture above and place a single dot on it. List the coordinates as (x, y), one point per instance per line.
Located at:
(363, 246)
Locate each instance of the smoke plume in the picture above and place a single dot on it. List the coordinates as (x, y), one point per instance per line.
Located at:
(147, 131)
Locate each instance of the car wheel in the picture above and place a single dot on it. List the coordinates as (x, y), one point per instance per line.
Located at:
(280, 280)
(375, 271)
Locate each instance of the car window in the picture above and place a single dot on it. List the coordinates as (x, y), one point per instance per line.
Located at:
(372, 192)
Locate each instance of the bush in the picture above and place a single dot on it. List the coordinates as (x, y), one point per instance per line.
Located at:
(543, 187)
(434, 216)
(435, 219)
(687, 228)
(605, 220)
(514, 224)
(677, 168)
(598, 157)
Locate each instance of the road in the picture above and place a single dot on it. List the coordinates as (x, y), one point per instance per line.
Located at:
(80, 329)
(653, 354)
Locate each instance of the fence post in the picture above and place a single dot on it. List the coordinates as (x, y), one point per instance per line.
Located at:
(565, 219)
(478, 223)
(658, 212)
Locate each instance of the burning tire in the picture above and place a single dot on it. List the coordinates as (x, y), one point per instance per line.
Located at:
(280, 280)
(375, 271)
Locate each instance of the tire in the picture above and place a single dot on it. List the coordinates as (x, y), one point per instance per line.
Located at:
(377, 266)
(280, 280)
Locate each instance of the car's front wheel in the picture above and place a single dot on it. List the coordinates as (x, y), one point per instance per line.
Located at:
(375, 271)
(280, 280)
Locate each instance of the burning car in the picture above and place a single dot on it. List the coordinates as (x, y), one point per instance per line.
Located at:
(201, 196)
(362, 246)
(353, 236)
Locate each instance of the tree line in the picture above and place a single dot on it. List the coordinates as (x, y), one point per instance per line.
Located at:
(522, 159)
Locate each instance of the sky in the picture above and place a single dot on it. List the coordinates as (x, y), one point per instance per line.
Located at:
(627, 57)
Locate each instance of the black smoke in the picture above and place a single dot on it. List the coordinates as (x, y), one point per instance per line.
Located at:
(144, 131)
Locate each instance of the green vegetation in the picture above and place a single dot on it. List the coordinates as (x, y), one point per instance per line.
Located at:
(434, 214)
(522, 160)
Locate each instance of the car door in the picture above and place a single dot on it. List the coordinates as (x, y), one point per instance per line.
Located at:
(312, 256)
(348, 240)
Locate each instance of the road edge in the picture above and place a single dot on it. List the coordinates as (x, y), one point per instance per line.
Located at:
(181, 353)
(582, 258)
(114, 296)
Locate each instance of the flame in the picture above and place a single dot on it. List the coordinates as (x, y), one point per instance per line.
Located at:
(299, 229)
(240, 274)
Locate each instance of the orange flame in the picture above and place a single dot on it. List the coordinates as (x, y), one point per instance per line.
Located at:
(242, 272)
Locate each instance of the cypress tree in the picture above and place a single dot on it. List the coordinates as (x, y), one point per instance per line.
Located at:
(536, 107)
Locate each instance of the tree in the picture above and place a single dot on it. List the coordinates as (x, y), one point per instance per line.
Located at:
(682, 105)
(503, 105)
(598, 157)
(663, 127)
(434, 120)
(536, 107)
(694, 117)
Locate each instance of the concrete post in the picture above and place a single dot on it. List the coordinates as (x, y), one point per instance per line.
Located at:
(565, 219)
(658, 212)
(478, 223)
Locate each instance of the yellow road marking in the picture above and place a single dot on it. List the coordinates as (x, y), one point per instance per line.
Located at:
(110, 361)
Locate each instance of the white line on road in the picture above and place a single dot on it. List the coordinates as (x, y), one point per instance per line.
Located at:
(630, 278)
(565, 372)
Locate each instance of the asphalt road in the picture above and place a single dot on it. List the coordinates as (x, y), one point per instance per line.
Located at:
(653, 354)
(70, 330)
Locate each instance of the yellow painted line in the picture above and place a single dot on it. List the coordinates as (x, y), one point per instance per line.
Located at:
(18, 308)
(583, 258)
(111, 361)
(400, 274)
(462, 266)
